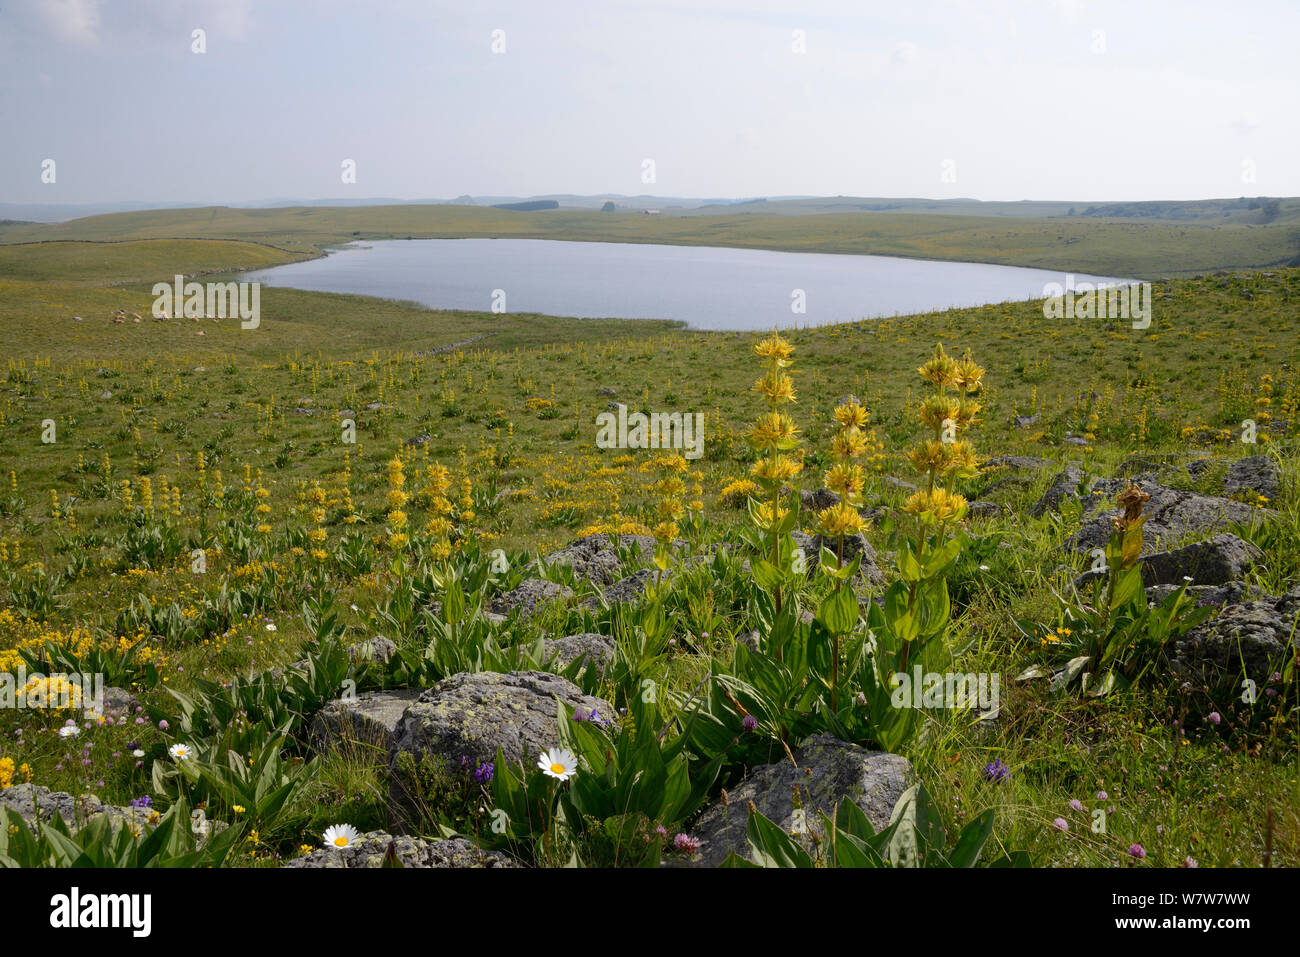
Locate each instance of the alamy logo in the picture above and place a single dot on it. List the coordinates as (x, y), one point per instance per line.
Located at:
(212, 300)
(658, 430)
(947, 690)
(22, 690)
(133, 911)
(1104, 300)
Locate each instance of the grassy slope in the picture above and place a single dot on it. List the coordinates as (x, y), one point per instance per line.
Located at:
(132, 392)
(1105, 247)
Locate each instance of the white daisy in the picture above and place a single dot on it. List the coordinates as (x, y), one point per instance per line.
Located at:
(69, 731)
(270, 626)
(340, 835)
(559, 763)
(137, 753)
(181, 752)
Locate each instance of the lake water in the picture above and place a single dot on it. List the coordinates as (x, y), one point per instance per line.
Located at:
(706, 287)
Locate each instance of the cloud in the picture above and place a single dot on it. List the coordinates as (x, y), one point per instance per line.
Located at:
(76, 21)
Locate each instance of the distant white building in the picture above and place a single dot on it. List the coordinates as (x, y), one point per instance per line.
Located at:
(651, 212)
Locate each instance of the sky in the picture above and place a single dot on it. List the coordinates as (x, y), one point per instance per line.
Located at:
(1078, 100)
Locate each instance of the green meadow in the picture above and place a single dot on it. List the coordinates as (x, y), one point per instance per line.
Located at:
(182, 435)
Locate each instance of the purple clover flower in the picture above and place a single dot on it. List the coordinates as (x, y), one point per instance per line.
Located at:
(686, 844)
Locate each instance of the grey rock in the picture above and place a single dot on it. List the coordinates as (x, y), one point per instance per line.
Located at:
(1009, 483)
(597, 650)
(1218, 595)
(1025, 421)
(1171, 515)
(1017, 463)
(984, 510)
(379, 649)
(828, 771)
(819, 500)
(370, 850)
(1136, 465)
(806, 542)
(607, 392)
(1198, 467)
(528, 595)
(1216, 561)
(854, 545)
(630, 590)
(32, 800)
(1251, 640)
(594, 559)
(1256, 473)
(473, 715)
(1078, 440)
(361, 726)
(421, 439)
(118, 701)
(1065, 485)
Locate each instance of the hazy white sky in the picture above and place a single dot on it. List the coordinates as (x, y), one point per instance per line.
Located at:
(996, 99)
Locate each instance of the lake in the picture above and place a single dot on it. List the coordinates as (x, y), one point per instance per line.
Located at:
(706, 287)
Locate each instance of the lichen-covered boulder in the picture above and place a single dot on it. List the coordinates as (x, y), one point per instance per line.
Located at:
(1250, 641)
(470, 716)
(33, 800)
(528, 595)
(361, 725)
(1171, 514)
(828, 771)
(371, 849)
(594, 558)
(1255, 474)
(595, 650)
(1219, 560)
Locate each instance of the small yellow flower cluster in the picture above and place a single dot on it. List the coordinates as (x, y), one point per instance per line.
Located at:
(944, 456)
(734, 493)
(1054, 637)
(774, 434)
(845, 478)
(397, 537)
(671, 489)
(616, 526)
